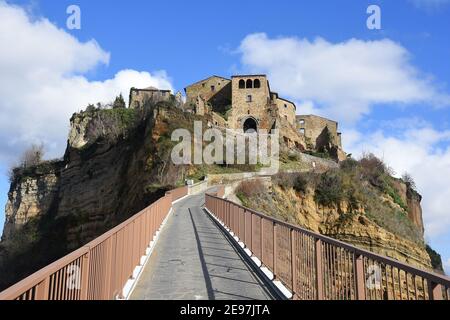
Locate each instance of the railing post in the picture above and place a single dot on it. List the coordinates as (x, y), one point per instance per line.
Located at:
(274, 249)
(251, 233)
(85, 276)
(42, 289)
(261, 226)
(293, 265)
(434, 291)
(319, 269)
(360, 278)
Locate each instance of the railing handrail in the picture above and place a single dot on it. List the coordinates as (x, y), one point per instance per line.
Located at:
(420, 272)
(39, 276)
(35, 279)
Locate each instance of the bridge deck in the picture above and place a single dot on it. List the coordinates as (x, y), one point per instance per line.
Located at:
(194, 260)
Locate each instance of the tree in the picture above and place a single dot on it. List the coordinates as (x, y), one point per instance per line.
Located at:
(409, 181)
(119, 103)
(32, 156)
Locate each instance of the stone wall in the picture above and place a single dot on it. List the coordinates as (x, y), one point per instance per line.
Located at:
(314, 129)
(139, 96)
(207, 89)
(286, 110)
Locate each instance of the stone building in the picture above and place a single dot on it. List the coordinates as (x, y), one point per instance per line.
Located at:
(316, 130)
(244, 102)
(139, 96)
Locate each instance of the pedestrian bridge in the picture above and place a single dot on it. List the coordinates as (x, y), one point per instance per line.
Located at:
(194, 245)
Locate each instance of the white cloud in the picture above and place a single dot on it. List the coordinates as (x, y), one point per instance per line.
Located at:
(447, 266)
(423, 152)
(42, 81)
(344, 80)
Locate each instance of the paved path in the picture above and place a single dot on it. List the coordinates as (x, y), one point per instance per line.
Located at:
(194, 260)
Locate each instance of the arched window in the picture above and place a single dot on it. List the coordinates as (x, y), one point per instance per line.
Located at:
(241, 84)
(249, 84)
(257, 84)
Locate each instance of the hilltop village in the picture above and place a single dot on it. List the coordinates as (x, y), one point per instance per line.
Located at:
(246, 102)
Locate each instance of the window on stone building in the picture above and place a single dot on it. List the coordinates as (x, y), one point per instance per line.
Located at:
(257, 84)
(213, 88)
(302, 131)
(249, 84)
(285, 105)
(249, 98)
(301, 121)
(203, 85)
(241, 84)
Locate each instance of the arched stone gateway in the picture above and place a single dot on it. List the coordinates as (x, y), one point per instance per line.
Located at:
(250, 125)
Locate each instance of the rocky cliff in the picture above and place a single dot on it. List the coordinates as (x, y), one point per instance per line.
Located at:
(116, 163)
(385, 218)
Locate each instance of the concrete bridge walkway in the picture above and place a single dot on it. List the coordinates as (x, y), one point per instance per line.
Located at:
(194, 260)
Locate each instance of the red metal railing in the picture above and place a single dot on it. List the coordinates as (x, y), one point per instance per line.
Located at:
(100, 269)
(313, 266)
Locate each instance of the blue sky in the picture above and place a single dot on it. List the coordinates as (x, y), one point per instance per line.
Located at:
(388, 88)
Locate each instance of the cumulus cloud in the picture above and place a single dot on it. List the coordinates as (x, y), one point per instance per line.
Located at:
(447, 266)
(341, 79)
(421, 151)
(42, 81)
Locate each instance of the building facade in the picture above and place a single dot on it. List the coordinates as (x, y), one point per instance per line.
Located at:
(244, 102)
(318, 130)
(138, 97)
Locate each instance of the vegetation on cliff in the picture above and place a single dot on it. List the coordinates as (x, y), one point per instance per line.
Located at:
(346, 203)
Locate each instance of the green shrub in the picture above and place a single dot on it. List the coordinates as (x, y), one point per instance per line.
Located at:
(300, 183)
(374, 170)
(250, 188)
(349, 165)
(392, 192)
(329, 190)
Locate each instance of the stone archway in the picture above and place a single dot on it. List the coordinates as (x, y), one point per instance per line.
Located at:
(250, 125)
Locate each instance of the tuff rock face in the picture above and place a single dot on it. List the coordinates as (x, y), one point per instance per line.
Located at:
(112, 169)
(29, 197)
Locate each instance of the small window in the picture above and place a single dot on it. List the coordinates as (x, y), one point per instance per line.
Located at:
(203, 85)
(257, 84)
(241, 84)
(285, 105)
(301, 121)
(163, 93)
(213, 88)
(302, 131)
(249, 98)
(249, 84)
